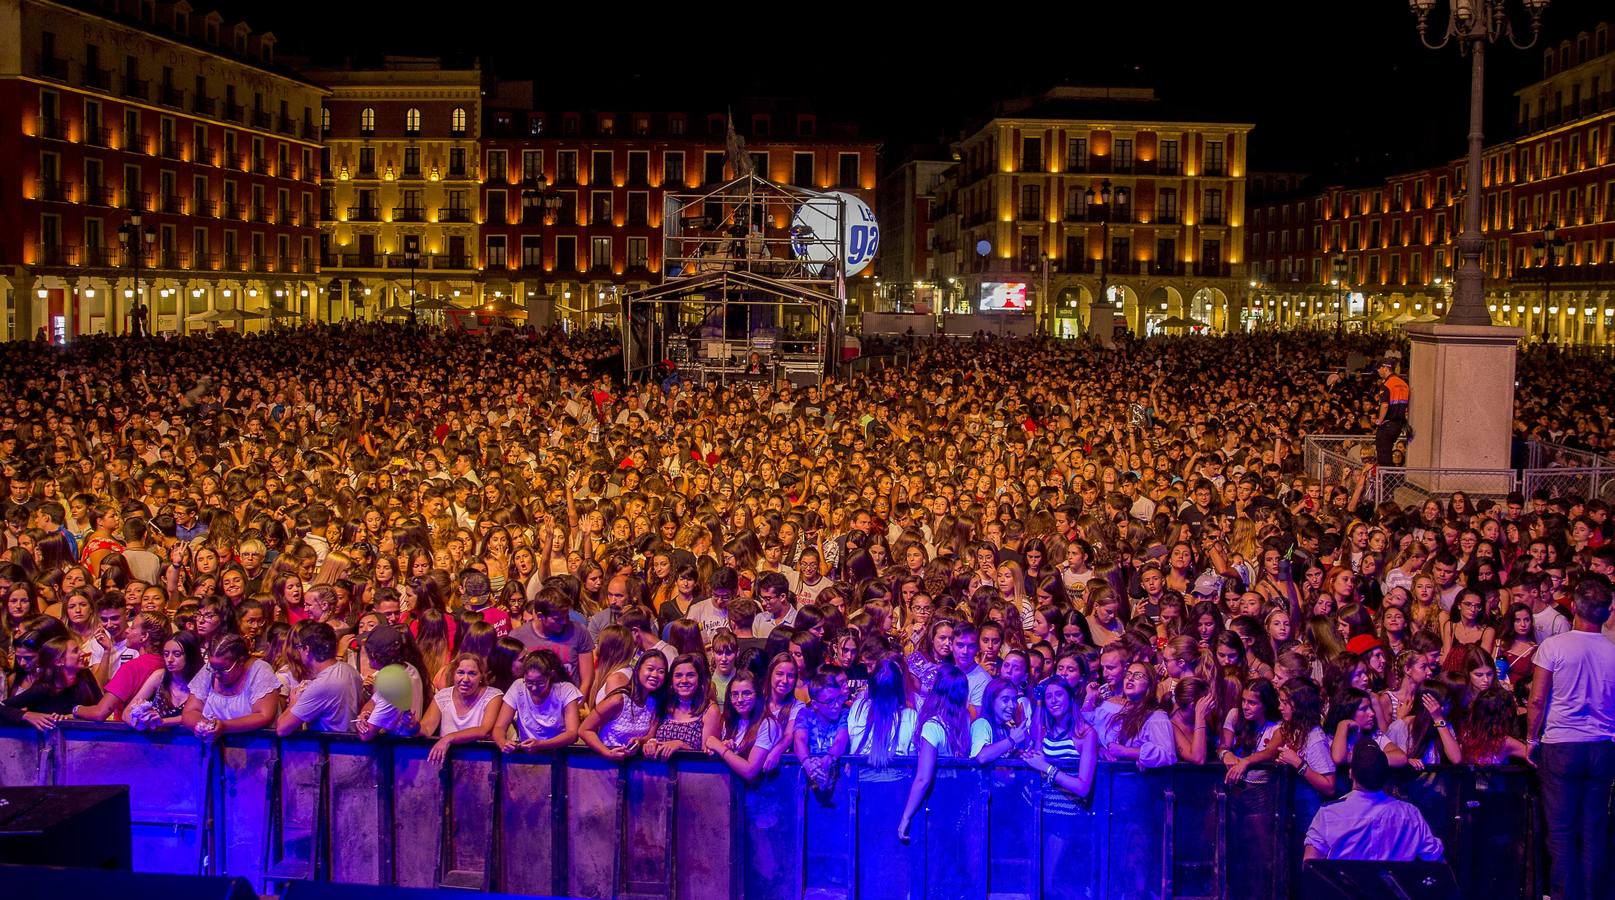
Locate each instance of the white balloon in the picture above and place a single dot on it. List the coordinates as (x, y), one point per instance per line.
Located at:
(815, 223)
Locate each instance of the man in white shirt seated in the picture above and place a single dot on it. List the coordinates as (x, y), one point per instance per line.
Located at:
(1369, 824)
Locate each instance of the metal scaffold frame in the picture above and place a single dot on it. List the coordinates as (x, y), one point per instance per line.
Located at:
(738, 257)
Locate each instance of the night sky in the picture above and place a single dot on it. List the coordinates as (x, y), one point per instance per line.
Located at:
(1357, 94)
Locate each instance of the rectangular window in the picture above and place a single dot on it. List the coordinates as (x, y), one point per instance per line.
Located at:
(1214, 214)
(1031, 202)
(600, 208)
(1032, 154)
(638, 208)
(802, 169)
(1124, 155)
(496, 208)
(1076, 155)
(1214, 159)
(673, 169)
(367, 161)
(1031, 253)
(600, 253)
(638, 167)
(1169, 158)
(712, 167)
(412, 160)
(1167, 206)
(498, 166)
(566, 167)
(638, 253)
(532, 252)
(566, 253)
(759, 163)
(495, 257)
(847, 168)
(532, 166)
(600, 167)
(457, 162)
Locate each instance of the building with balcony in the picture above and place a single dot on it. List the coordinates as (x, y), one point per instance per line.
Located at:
(1384, 252)
(908, 210)
(572, 201)
(1089, 189)
(400, 199)
(166, 113)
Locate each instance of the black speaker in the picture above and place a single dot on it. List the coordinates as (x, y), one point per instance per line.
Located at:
(1355, 879)
(87, 827)
(41, 883)
(322, 890)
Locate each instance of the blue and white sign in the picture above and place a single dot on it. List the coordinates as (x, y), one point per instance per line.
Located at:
(815, 221)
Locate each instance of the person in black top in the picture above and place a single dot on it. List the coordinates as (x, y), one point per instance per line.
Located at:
(49, 682)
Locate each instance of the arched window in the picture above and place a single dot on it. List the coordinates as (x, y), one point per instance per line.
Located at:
(367, 121)
(457, 121)
(325, 121)
(412, 122)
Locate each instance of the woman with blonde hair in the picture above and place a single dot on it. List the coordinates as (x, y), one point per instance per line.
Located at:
(613, 658)
(1011, 583)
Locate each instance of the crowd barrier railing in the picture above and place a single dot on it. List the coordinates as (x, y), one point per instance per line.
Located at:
(333, 808)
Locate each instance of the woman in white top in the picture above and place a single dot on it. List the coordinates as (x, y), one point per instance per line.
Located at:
(543, 706)
(944, 732)
(1139, 733)
(746, 738)
(881, 724)
(1297, 739)
(233, 692)
(465, 711)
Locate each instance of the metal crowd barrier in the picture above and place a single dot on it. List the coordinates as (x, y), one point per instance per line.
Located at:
(330, 807)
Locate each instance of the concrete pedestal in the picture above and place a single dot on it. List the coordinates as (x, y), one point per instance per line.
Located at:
(1461, 379)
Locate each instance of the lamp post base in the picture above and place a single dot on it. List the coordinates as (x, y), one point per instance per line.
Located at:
(1461, 410)
(1102, 324)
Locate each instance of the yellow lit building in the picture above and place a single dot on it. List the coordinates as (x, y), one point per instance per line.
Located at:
(1090, 189)
(399, 204)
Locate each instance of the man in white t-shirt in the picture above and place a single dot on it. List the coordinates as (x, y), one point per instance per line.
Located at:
(1546, 620)
(1571, 716)
(712, 613)
(328, 700)
(774, 595)
(965, 643)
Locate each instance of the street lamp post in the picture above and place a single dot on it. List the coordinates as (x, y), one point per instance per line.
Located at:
(1046, 301)
(1474, 24)
(412, 256)
(1337, 265)
(547, 201)
(135, 241)
(1107, 210)
(1547, 249)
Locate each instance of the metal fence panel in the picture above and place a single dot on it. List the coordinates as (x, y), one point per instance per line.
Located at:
(574, 823)
(166, 779)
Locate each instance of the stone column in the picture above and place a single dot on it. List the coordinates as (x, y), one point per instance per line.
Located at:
(22, 305)
(1462, 406)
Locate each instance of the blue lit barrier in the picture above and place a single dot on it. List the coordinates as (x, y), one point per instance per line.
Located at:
(329, 807)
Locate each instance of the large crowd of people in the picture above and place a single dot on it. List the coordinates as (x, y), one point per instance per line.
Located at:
(1008, 551)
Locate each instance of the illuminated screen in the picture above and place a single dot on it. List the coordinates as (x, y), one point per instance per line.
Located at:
(1003, 296)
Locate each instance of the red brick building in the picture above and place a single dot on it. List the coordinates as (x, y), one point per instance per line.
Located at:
(168, 113)
(611, 171)
(1396, 237)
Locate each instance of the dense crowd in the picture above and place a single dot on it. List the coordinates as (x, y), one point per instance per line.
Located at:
(1005, 551)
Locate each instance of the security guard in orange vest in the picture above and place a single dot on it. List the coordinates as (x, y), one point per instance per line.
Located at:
(1393, 411)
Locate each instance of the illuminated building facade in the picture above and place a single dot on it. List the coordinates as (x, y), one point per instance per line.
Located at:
(907, 269)
(400, 205)
(573, 201)
(1381, 254)
(1167, 240)
(161, 112)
